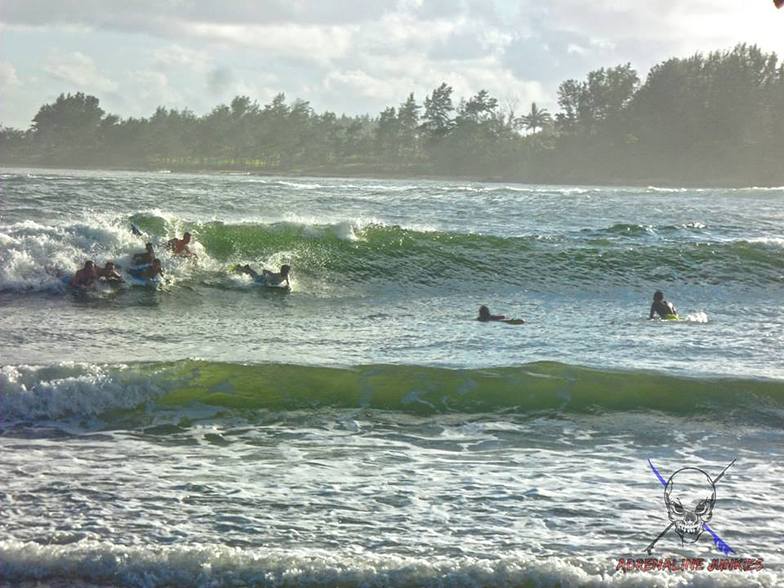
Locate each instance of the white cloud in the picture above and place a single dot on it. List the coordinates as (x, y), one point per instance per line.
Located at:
(302, 42)
(678, 27)
(354, 56)
(8, 77)
(176, 56)
(79, 71)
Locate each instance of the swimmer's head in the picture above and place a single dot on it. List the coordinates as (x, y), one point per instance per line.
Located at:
(658, 296)
(484, 313)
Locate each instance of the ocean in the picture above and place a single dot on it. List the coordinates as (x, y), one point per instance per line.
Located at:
(363, 428)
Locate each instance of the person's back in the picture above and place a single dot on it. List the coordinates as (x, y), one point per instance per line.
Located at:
(146, 257)
(108, 273)
(180, 246)
(276, 279)
(149, 272)
(85, 277)
(661, 307)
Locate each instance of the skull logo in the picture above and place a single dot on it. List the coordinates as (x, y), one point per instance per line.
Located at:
(690, 495)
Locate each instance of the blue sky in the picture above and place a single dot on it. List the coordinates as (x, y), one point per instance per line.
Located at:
(352, 56)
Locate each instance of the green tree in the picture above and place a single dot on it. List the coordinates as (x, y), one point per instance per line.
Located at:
(437, 118)
(537, 118)
(68, 131)
(408, 129)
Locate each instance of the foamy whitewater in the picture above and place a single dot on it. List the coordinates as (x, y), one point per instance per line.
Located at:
(363, 429)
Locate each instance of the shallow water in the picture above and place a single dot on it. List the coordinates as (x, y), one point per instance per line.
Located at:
(363, 429)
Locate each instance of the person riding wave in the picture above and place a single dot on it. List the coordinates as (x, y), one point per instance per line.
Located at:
(180, 246)
(269, 278)
(109, 273)
(149, 272)
(85, 277)
(144, 258)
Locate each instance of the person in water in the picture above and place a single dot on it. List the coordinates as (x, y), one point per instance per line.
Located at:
(146, 257)
(486, 317)
(180, 246)
(269, 278)
(85, 277)
(660, 306)
(149, 272)
(108, 273)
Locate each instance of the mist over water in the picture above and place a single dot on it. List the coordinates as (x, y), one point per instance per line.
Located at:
(364, 429)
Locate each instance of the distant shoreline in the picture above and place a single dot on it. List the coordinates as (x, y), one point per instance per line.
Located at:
(382, 174)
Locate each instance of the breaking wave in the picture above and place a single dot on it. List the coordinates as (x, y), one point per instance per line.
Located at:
(32, 393)
(349, 252)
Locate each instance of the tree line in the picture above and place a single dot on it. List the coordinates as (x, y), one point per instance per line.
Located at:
(710, 118)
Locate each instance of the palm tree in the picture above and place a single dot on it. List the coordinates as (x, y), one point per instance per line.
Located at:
(536, 119)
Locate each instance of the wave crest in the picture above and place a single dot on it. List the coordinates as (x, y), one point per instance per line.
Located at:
(73, 390)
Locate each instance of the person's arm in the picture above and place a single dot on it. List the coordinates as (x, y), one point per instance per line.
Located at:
(653, 310)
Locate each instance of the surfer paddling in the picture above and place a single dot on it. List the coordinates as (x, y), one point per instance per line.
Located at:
(661, 307)
(267, 277)
(486, 317)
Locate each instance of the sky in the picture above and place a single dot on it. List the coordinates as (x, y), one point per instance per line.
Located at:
(347, 56)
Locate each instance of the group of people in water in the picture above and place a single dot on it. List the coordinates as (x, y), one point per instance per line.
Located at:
(146, 266)
(660, 307)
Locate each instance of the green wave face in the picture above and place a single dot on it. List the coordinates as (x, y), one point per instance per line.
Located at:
(118, 392)
(619, 255)
(542, 386)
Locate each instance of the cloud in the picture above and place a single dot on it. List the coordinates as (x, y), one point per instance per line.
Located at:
(79, 71)
(177, 56)
(8, 77)
(303, 42)
(351, 56)
(154, 14)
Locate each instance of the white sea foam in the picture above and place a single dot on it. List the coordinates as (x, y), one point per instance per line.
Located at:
(34, 256)
(71, 389)
(768, 240)
(696, 317)
(213, 565)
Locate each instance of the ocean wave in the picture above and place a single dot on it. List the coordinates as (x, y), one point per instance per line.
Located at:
(30, 393)
(214, 565)
(34, 255)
